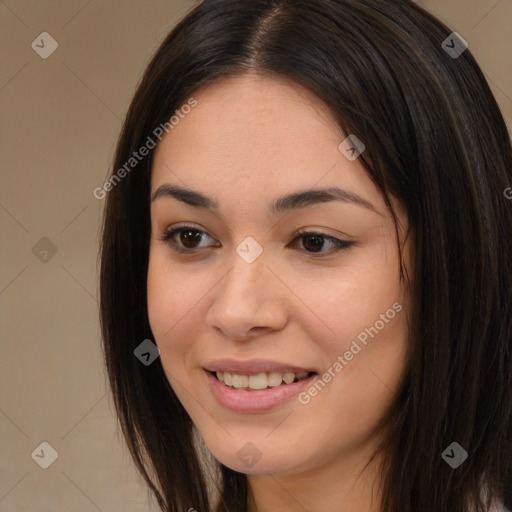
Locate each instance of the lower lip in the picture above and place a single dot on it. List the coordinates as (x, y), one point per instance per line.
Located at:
(263, 400)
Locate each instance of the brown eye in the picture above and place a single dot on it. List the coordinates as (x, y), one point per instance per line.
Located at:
(190, 237)
(314, 243)
(184, 238)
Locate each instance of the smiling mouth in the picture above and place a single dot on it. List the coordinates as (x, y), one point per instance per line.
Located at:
(260, 381)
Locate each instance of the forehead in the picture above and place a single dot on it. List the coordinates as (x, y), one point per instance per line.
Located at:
(259, 133)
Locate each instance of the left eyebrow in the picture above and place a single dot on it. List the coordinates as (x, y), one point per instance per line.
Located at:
(305, 198)
(296, 200)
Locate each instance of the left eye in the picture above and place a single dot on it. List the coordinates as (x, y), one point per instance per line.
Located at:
(312, 242)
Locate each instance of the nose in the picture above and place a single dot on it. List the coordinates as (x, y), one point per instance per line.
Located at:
(249, 301)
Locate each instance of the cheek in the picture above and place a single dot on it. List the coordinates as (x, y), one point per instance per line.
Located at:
(171, 294)
(171, 303)
(360, 380)
(365, 311)
(343, 302)
(161, 301)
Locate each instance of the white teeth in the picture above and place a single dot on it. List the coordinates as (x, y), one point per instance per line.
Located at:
(274, 379)
(240, 381)
(289, 378)
(260, 380)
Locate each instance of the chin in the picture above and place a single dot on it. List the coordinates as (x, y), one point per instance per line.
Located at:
(259, 457)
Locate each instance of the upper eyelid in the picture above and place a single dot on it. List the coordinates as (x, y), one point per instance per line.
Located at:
(179, 227)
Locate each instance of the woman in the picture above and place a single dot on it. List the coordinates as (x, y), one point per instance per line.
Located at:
(306, 278)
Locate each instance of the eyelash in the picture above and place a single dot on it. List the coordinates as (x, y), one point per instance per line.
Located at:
(340, 245)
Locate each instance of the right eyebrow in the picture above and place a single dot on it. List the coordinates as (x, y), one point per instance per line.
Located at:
(184, 195)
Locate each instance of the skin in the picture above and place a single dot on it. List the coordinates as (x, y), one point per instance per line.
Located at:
(249, 140)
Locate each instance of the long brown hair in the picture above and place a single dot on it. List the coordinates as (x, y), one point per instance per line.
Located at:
(435, 139)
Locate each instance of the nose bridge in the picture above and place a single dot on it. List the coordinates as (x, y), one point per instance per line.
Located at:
(248, 296)
(243, 283)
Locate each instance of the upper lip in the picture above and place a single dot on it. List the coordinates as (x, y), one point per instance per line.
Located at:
(253, 367)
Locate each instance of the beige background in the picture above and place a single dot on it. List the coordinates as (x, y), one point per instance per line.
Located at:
(59, 124)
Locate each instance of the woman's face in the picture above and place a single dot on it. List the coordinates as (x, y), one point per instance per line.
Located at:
(241, 290)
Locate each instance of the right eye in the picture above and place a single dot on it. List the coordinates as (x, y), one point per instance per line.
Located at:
(188, 237)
